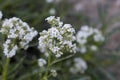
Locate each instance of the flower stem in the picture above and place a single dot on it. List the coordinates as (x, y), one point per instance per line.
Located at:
(48, 66)
(5, 70)
(62, 59)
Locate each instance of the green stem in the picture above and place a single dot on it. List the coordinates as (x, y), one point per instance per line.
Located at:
(62, 59)
(48, 66)
(5, 70)
(46, 76)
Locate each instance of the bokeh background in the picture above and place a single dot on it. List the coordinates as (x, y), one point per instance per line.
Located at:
(102, 14)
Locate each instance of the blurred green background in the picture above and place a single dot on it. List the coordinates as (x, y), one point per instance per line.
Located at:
(103, 14)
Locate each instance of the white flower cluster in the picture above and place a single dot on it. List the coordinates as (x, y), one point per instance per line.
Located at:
(18, 35)
(58, 38)
(88, 37)
(41, 62)
(79, 66)
(1, 15)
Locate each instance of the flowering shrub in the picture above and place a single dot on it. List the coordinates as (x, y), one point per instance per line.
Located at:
(57, 44)
(52, 50)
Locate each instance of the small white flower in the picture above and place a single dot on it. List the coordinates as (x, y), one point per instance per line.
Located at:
(54, 21)
(50, 18)
(98, 38)
(55, 49)
(54, 33)
(46, 54)
(41, 62)
(52, 11)
(83, 49)
(85, 28)
(93, 48)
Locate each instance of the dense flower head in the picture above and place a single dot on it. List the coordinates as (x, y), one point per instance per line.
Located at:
(58, 38)
(79, 66)
(18, 32)
(87, 38)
